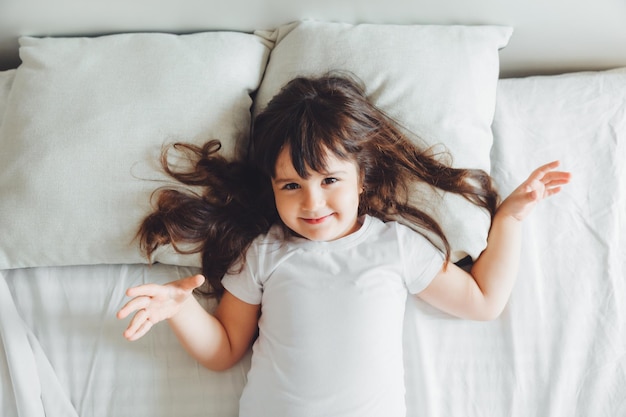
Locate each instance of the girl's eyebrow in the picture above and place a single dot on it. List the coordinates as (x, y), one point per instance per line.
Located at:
(280, 181)
(334, 173)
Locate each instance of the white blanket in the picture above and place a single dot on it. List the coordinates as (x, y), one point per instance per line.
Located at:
(558, 350)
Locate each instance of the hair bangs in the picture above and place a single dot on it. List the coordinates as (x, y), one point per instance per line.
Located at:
(313, 120)
(318, 135)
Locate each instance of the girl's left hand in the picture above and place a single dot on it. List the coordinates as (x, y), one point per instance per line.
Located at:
(542, 183)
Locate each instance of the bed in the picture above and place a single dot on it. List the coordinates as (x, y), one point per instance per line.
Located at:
(83, 119)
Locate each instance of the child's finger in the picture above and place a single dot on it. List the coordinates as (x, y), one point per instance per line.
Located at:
(135, 304)
(552, 191)
(550, 166)
(557, 178)
(141, 330)
(533, 195)
(135, 324)
(149, 290)
(192, 282)
(544, 171)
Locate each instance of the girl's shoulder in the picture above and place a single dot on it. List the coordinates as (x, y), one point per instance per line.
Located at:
(276, 233)
(395, 227)
(273, 239)
(405, 233)
(277, 242)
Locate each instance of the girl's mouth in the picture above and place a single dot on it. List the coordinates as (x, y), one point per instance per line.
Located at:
(317, 220)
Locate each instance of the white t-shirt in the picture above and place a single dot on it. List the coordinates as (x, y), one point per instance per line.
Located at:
(330, 331)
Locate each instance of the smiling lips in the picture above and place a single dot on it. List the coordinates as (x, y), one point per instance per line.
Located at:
(317, 220)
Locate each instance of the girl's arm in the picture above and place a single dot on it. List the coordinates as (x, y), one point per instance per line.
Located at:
(483, 293)
(215, 341)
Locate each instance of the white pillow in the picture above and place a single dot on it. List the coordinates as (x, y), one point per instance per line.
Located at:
(437, 81)
(6, 82)
(84, 126)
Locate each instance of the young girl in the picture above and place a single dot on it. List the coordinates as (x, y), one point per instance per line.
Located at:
(300, 244)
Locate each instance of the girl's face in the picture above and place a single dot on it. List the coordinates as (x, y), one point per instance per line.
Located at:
(322, 207)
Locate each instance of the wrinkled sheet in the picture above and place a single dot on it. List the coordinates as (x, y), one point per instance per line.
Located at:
(558, 350)
(71, 311)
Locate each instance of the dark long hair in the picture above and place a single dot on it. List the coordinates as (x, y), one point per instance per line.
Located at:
(233, 204)
(310, 116)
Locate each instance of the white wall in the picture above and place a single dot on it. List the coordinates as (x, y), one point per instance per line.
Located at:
(550, 35)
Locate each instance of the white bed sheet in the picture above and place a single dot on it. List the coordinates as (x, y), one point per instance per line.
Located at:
(558, 350)
(71, 314)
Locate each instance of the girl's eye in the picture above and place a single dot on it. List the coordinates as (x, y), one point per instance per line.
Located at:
(291, 186)
(331, 180)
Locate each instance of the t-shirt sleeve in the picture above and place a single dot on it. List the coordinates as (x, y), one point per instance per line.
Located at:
(245, 285)
(422, 260)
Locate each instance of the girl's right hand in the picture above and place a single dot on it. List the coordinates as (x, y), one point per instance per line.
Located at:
(154, 303)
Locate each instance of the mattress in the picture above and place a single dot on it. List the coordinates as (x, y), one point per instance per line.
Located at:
(558, 349)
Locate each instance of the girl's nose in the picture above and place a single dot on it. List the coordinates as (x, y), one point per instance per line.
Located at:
(313, 199)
